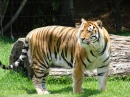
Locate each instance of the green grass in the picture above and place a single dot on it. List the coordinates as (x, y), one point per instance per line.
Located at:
(14, 84)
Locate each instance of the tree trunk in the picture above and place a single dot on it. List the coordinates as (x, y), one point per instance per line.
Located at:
(67, 14)
(120, 58)
(3, 8)
(118, 15)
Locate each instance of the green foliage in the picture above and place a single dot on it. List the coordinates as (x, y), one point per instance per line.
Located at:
(59, 80)
(34, 14)
(123, 33)
(55, 5)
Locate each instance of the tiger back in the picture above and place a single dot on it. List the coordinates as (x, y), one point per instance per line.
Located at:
(55, 45)
(81, 49)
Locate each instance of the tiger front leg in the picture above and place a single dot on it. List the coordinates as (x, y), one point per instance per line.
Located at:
(39, 80)
(77, 79)
(102, 73)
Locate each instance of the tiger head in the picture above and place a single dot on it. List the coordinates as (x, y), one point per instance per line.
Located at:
(89, 32)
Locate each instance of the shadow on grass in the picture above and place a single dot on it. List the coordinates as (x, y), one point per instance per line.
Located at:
(86, 93)
(28, 91)
(89, 92)
(14, 79)
(66, 90)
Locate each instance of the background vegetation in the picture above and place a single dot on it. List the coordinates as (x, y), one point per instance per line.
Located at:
(113, 13)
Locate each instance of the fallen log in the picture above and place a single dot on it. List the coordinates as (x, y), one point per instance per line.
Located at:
(120, 58)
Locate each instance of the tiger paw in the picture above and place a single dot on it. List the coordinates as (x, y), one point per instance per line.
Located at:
(76, 91)
(43, 92)
(102, 89)
(46, 92)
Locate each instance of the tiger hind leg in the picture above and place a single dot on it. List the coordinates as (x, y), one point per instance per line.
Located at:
(39, 79)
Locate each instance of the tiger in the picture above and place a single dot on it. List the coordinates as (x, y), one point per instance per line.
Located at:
(85, 48)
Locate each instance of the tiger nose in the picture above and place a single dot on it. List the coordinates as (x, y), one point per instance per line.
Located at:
(87, 41)
(82, 39)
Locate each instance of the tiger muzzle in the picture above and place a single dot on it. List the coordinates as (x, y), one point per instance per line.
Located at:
(85, 41)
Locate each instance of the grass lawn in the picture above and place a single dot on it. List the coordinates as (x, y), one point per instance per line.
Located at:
(14, 84)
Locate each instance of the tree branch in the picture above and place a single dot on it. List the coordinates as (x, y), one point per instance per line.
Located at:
(15, 16)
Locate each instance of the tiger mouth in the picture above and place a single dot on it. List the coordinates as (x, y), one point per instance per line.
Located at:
(88, 42)
(85, 42)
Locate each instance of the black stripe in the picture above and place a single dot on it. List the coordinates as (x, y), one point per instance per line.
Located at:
(23, 53)
(98, 36)
(25, 47)
(39, 77)
(43, 80)
(26, 41)
(19, 60)
(42, 65)
(39, 71)
(101, 74)
(49, 50)
(47, 55)
(82, 61)
(46, 62)
(51, 35)
(103, 66)
(55, 52)
(73, 50)
(71, 55)
(38, 54)
(92, 53)
(106, 59)
(47, 30)
(23, 58)
(46, 74)
(44, 54)
(88, 60)
(4, 67)
(58, 44)
(59, 39)
(105, 45)
(66, 34)
(66, 48)
(63, 29)
(62, 55)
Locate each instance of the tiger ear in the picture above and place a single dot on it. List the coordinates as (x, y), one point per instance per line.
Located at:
(82, 24)
(99, 23)
(83, 20)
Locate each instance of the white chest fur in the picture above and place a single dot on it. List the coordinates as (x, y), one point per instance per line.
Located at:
(97, 60)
